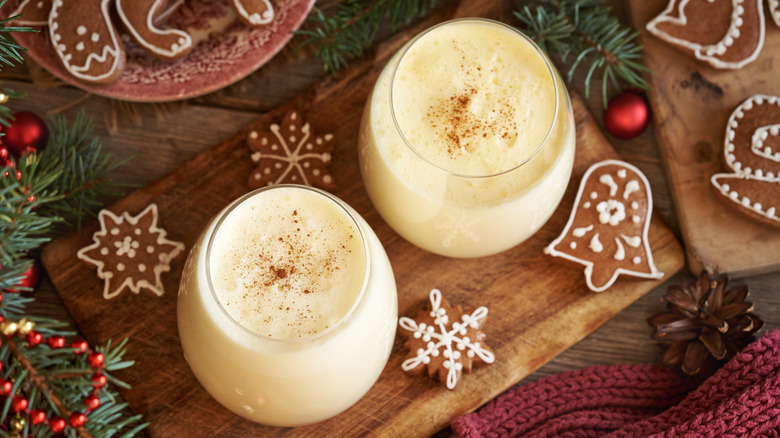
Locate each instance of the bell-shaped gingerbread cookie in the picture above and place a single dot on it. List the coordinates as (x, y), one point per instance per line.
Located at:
(728, 34)
(85, 40)
(607, 229)
(751, 148)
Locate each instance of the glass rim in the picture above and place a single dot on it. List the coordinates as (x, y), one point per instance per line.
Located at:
(533, 45)
(366, 275)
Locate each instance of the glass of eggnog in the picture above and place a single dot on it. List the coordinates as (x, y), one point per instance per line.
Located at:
(287, 306)
(467, 139)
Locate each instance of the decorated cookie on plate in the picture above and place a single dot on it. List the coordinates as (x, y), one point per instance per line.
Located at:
(138, 17)
(290, 153)
(445, 341)
(751, 149)
(131, 252)
(607, 229)
(728, 34)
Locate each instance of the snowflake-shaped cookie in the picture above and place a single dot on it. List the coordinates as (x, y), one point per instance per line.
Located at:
(291, 154)
(130, 252)
(445, 340)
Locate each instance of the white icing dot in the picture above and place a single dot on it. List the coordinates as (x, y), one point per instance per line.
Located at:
(328, 137)
(594, 195)
(81, 30)
(137, 232)
(104, 251)
(275, 147)
(757, 206)
(634, 205)
(120, 267)
(267, 171)
(278, 165)
(115, 231)
(573, 245)
(150, 249)
(586, 204)
(95, 37)
(306, 164)
(636, 260)
(636, 219)
(80, 46)
(292, 139)
(264, 141)
(141, 267)
(327, 179)
(309, 146)
(315, 172)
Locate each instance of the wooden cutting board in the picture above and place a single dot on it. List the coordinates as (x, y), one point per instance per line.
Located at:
(538, 308)
(691, 103)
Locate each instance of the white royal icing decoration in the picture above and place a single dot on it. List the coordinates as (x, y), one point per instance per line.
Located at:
(255, 18)
(610, 182)
(620, 252)
(184, 39)
(595, 244)
(445, 339)
(631, 187)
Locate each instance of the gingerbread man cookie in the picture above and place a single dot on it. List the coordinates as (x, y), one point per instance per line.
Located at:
(130, 252)
(33, 12)
(86, 41)
(607, 228)
(138, 17)
(253, 13)
(751, 149)
(728, 34)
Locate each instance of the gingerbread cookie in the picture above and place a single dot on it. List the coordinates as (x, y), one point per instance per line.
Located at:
(130, 252)
(751, 149)
(253, 13)
(138, 16)
(290, 153)
(33, 13)
(445, 340)
(728, 34)
(86, 41)
(607, 228)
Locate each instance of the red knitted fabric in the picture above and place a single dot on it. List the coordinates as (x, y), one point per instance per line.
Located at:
(742, 399)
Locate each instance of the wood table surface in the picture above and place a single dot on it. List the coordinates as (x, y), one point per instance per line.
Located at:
(164, 136)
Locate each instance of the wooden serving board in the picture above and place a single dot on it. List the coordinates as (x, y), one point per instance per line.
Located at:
(691, 103)
(538, 308)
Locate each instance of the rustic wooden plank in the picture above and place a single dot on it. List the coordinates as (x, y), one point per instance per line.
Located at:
(691, 103)
(538, 308)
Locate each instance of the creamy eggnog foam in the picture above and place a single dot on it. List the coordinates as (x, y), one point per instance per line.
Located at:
(287, 266)
(467, 140)
(472, 100)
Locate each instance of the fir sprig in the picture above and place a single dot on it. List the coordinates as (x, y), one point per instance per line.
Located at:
(344, 34)
(10, 54)
(587, 30)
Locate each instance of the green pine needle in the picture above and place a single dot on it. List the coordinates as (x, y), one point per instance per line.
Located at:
(346, 33)
(586, 28)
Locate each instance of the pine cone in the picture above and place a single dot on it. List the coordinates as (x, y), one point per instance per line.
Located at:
(706, 325)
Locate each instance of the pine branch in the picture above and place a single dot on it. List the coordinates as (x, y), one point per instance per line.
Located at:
(586, 28)
(352, 28)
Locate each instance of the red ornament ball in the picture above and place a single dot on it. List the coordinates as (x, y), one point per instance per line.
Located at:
(34, 338)
(80, 346)
(19, 404)
(56, 341)
(77, 419)
(92, 402)
(96, 359)
(37, 416)
(57, 424)
(27, 130)
(29, 278)
(5, 387)
(98, 380)
(627, 115)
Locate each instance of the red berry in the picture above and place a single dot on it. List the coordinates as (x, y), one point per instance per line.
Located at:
(80, 346)
(57, 424)
(96, 359)
(77, 419)
(92, 402)
(34, 338)
(19, 403)
(98, 380)
(56, 341)
(5, 387)
(37, 416)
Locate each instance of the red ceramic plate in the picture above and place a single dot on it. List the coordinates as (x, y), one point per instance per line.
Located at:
(225, 51)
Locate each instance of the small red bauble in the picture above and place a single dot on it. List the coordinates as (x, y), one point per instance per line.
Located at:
(29, 278)
(5, 387)
(627, 115)
(34, 338)
(77, 419)
(57, 424)
(27, 131)
(19, 404)
(98, 380)
(92, 402)
(96, 359)
(37, 416)
(56, 341)
(80, 346)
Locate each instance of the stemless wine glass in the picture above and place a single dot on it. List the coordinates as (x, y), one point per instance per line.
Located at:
(467, 139)
(287, 306)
